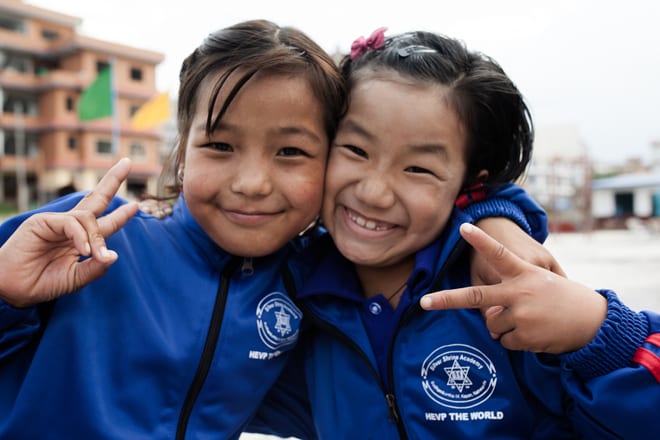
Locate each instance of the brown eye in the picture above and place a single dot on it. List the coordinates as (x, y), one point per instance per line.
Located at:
(418, 170)
(219, 146)
(292, 151)
(356, 150)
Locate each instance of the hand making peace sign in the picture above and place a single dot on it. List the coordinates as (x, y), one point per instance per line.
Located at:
(532, 309)
(42, 258)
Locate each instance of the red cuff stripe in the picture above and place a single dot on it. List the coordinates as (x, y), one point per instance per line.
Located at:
(649, 360)
(654, 339)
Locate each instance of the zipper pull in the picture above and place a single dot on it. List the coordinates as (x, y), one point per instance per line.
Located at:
(391, 404)
(247, 269)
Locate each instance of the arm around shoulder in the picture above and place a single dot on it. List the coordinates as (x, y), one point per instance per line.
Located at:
(614, 380)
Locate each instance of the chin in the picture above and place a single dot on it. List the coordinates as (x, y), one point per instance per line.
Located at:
(251, 251)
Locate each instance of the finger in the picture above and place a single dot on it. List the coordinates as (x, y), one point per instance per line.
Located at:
(92, 269)
(95, 238)
(115, 220)
(505, 262)
(473, 297)
(556, 268)
(98, 199)
(489, 313)
(54, 227)
(499, 321)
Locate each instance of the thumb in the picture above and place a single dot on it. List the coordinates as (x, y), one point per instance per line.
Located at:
(92, 268)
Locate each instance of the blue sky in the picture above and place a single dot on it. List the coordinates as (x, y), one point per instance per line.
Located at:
(595, 64)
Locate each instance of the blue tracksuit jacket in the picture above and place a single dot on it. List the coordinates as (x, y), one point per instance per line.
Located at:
(178, 339)
(175, 339)
(446, 377)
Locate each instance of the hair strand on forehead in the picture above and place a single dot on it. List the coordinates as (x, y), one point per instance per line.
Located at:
(497, 121)
(246, 49)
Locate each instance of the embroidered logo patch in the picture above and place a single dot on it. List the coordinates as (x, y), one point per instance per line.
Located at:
(278, 320)
(458, 376)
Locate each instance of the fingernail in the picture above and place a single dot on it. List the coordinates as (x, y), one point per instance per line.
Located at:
(104, 252)
(425, 302)
(467, 228)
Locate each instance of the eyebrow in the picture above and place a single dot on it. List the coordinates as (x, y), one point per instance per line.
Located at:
(358, 129)
(438, 149)
(285, 130)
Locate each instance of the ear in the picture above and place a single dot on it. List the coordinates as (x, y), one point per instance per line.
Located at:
(481, 177)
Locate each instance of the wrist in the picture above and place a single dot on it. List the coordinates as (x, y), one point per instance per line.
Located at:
(615, 344)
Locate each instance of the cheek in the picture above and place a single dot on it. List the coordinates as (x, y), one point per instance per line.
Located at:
(431, 210)
(201, 184)
(334, 181)
(306, 190)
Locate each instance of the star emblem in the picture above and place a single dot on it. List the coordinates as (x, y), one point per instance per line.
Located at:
(283, 324)
(458, 376)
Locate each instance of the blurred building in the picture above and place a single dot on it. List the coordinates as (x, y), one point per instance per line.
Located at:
(559, 175)
(45, 149)
(629, 198)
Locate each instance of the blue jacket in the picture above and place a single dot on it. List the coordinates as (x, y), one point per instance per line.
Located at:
(179, 337)
(445, 376)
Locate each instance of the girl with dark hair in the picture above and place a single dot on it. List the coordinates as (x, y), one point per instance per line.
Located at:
(189, 328)
(426, 119)
(191, 325)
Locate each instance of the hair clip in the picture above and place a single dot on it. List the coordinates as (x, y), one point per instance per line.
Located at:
(413, 50)
(361, 44)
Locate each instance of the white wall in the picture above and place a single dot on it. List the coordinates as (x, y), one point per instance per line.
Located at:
(602, 203)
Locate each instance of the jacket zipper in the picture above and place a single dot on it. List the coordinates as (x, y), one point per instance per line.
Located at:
(207, 353)
(408, 314)
(321, 324)
(247, 267)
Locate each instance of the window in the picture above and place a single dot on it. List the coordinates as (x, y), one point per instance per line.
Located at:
(136, 74)
(101, 65)
(27, 143)
(18, 63)
(69, 104)
(49, 35)
(23, 103)
(624, 204)
(72, 143)
(104, 147)
(12, 24)
(137, 151)
(136, 189)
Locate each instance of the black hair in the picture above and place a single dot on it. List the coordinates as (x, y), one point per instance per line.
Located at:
(245, 49)
(497, 121)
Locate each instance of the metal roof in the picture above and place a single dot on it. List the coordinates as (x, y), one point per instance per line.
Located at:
(626, 181)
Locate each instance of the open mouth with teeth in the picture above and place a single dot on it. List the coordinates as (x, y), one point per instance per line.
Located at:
(366, 223)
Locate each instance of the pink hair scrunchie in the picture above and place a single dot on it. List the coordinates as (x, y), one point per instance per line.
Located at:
(361, 44)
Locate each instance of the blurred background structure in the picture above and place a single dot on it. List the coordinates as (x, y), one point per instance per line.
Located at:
(52, 142)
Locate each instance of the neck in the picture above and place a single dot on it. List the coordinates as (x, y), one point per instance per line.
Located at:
(385, 280)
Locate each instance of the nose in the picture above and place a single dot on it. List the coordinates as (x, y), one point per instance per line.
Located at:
(252, 177)
(375, 189)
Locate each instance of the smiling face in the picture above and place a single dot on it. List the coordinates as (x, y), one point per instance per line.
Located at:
(257, 180)
(395, 169)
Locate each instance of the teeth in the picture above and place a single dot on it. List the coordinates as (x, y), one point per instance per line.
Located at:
(367, 224)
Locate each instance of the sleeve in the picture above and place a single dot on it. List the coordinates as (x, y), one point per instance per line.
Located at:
(507, 200)
(614, 381)
(19, 325)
